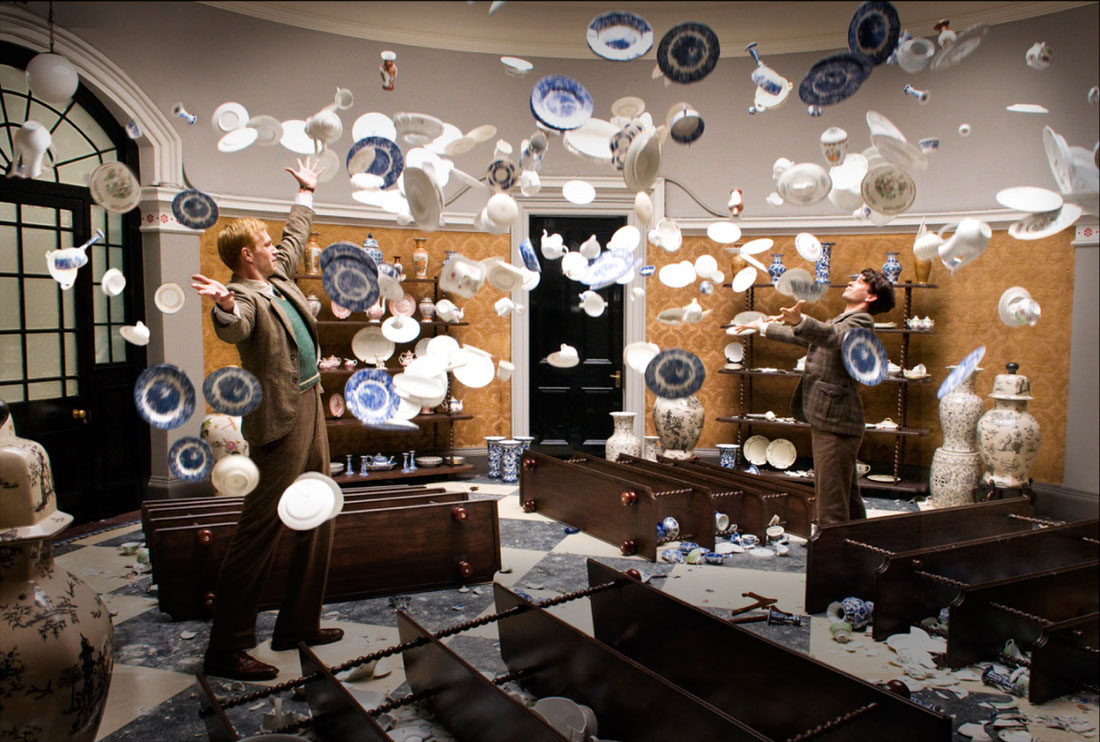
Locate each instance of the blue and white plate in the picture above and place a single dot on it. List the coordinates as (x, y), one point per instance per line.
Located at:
(620, 36)
(232, 390)
(164, 396)
(874, 31)
(376, 156)
(675, 373)
(560, 102)
(608, 267)
(688, 52)
(195, 209)
(864, 356)
(349, 276)
(371, 396)
(530, 259)
(190, 459)
(834, 78)
(502, 175)
(959, 373)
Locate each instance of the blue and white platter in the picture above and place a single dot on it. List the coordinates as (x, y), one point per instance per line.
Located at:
(349, 276)
(834, 78)
(560, 102)
(232, 390)
(371, 396)
(864, 356)
(959, 373)
(190, 459)
(675, 373)
(164, 396)
(688, 52)
(619, 35)
(874, 30)
(376, 156)
(194, 209)
(608, 267)
(530, 259)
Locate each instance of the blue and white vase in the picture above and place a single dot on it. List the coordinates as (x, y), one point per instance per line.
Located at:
(858, 613)
(821, 267)
(525, 441)
(492, 443)
(679, 423)
(727, 455)
(891, 268)
(776, 269)
(511, 450)
(371, 246)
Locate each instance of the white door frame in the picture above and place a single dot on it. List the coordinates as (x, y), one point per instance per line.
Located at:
(614, 199)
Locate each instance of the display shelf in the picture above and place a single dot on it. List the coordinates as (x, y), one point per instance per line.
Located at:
(357, 325)
(798, 374)
(902, 285)
(436, 417)
(745, 420)
(890, 330)
(910, 486)
(421, 472)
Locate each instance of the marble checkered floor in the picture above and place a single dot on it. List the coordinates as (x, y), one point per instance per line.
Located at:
(152, 696)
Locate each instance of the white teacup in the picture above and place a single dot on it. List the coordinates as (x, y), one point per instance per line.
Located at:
(862, 469)
(529, 183)
(113, 282)
(574, 265)
(504, 306)
(502, 151)
(914, 54)
(552, 246)
(445, 310)
(592, 303)
(504, 370)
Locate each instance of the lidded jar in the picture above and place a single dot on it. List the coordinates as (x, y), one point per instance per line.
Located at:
(1008, 435)
(371, 246)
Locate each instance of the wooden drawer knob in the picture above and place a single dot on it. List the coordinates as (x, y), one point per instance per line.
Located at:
(529, 463)
(628, 498)
(529, 506)
(208, 600)
(628, 547)
(465, 569)
(205, 536)
(460, 514)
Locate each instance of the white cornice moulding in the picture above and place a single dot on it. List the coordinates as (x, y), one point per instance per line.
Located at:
(111, 84)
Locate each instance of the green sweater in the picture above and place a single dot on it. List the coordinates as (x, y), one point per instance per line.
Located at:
(308, 374)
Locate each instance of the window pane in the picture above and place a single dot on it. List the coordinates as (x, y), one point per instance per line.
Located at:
(99, 305)
(13, 79)
(118, 310)
(118, 347)
(102, 344)
(115, 256)
(16, 106)
(9, 252)
(45, 114)
(114, 222)
(43, 355)
(40, 303)
(7, 209)
(70, 354)
(9, 304)
(83, 121)
(11, 358)
(99, 219)
(78, 173)
(39, 214)
(11, 393)
(98, 258)
(44, 390)
(68, 317)
(66, 218)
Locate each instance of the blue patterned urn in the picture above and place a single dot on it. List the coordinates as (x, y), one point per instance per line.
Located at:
(509, 464)
(891, 268)
(776, 269)
(821, 267)
(371, 246)
(492, 442)
(727, 455)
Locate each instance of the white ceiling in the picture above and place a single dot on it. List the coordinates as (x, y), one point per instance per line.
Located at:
(557, 29)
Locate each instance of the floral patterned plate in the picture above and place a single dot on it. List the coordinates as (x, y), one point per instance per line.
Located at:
(888, 189)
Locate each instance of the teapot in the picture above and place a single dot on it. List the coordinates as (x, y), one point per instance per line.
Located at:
(325, 127)
(380, 459)
(30, 144)
(926, 243)
(328, 364)
(63, 264)
(453, 406)
(966, 245)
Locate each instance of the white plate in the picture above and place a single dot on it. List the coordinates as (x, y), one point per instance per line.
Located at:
(888, 189)
(1027, 108)
(755, 247)
(424, 197)
(900, 152)
(888, 478)
(808, 246)
(578, 192)
(337, 493)
(743, 318)
(804, 184)
(373, 124)
(229, 117)
(745, 278)
(781, 453)
(724, 233)
(516, 67)
(786, 282)
(306, 504)
(295, 138)
(735, 352)
(880, 125)
(477, 368)
(677, 275)
(442, 346)
(115, 187)
(417, 129)
(482, 133)
(1059, 158)
(638, 355)
(238, 139)
(1029, 198)
(643, 161)
(169, 298)
(627, 237)
(755, 450)
(591, 141)
(369, 343)
(420, 387)
(1038, 226)
(401, 329)
(269, 128)
(628, 107)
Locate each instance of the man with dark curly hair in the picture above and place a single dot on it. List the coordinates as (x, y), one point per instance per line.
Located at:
(827, 397)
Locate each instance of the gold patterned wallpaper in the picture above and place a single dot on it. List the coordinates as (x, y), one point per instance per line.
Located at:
(964, 308)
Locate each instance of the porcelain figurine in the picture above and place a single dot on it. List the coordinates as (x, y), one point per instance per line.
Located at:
(1008, 435)
(956, 465)
(679, 423)
(622, 439)
(388, 70)
(58, 641)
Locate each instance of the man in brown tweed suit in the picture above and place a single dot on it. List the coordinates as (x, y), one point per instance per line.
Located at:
(264, 313)
(827, 397)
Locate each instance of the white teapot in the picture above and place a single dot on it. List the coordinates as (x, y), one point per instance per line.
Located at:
(969, 241)
(29, 147)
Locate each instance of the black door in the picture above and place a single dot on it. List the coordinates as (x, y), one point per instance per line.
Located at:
(569, 407)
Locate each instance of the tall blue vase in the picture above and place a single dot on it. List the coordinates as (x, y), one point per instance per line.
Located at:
(492, 443)
(776, 269)
(891, 268)
(821, 267)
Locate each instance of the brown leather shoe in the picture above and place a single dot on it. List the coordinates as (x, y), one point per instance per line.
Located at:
(238, 665)
(323, 636)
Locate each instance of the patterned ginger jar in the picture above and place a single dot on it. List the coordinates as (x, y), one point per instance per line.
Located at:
(891, 268)
(223, 434)
(1008, 435)
(495, 454)
(679, 423)
(371, 246)
(622, 439)
(57, 640)
(776, 269)
(956, 465)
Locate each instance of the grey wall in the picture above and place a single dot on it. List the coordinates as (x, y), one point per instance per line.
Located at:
(204, 56)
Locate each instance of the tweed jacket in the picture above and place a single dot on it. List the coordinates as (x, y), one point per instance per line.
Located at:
(827, 397)
(265, 338)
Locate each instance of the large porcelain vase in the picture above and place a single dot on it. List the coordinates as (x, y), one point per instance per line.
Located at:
(1008, 435)
(622, 439)
(679, 423)
(57, 641)
(956, 465)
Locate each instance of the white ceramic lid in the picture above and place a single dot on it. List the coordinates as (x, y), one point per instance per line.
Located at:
(400, 329)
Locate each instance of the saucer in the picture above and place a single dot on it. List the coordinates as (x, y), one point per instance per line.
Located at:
(306, 504)
(964, 45)
(888, 189)
(591, 140)
(734, 352)
(873, 31)
(579, 192)
(560, 102)
(369, 343)
(808, 247)
(338, 494)
(238, 139)
(349, 276)
(724, 233)
(864, 356)
(269, 130)
(425, 198)
(1046, 224)
(638, 355)
(688, 52)
(376, 156)
(235, 476)
(195, 209)
(804, 184)
(755, 247)
(516, 67)
(675, 373)
(476, 368)
(417, 129)
(190, 459)
(619, 35)
(884, 478)
(115, 187)
(643, 161)
(744, 279)
(557, 360)
(1029, 198)
(164, 396)
(169, 298)
(232, 391)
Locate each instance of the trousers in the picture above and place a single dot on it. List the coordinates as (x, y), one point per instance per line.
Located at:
(835, 481)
